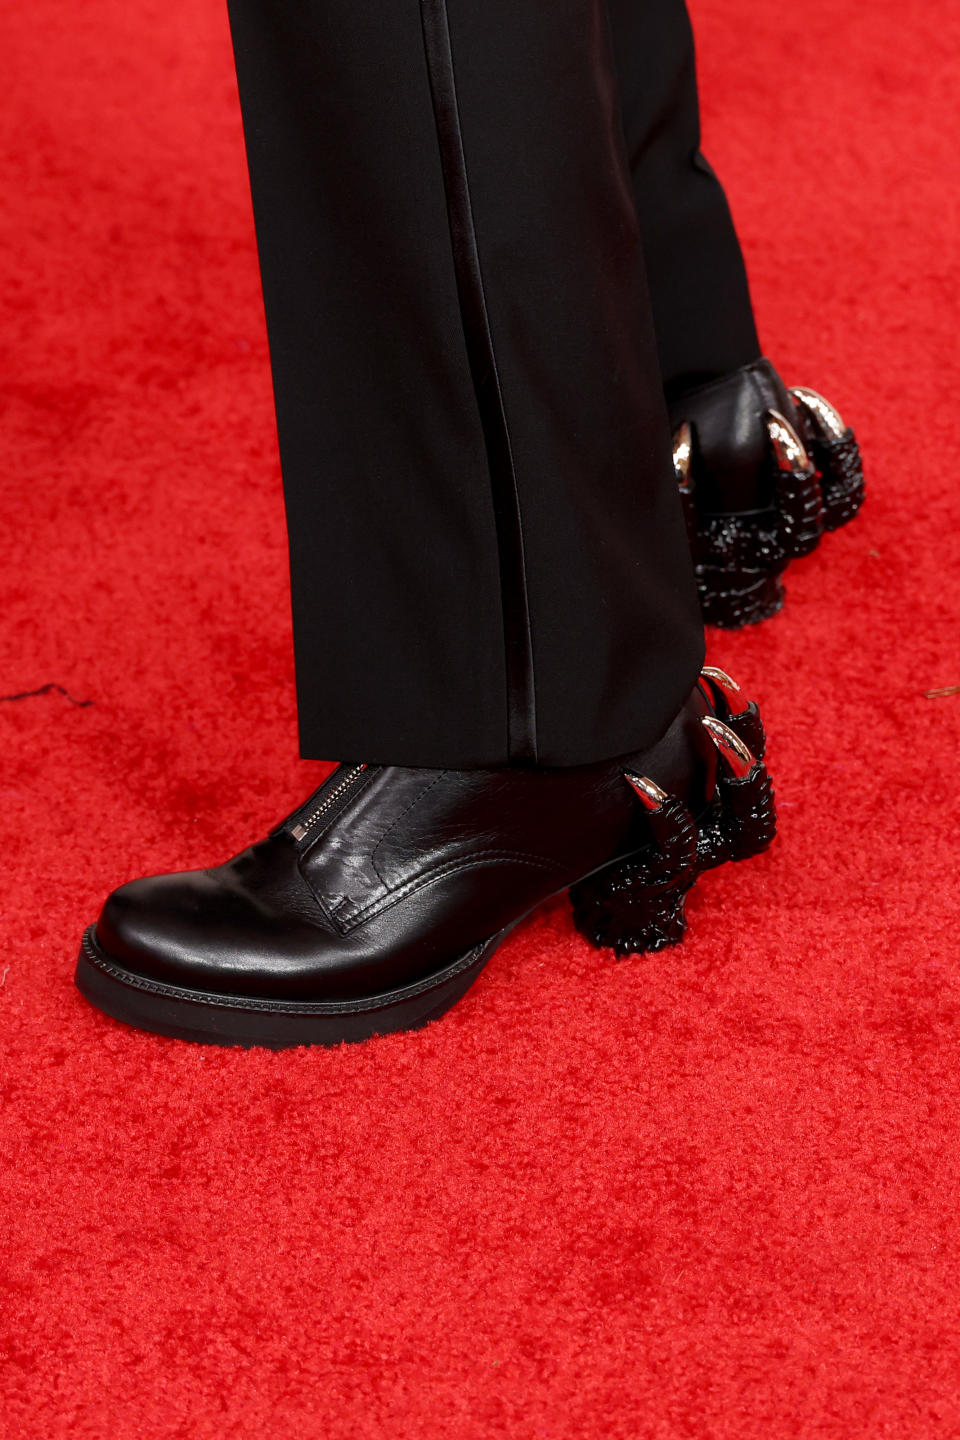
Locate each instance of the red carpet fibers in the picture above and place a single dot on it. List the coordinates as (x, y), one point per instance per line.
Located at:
(710, 1194)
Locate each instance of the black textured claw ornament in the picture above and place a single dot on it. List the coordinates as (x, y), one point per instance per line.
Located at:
(836, 455)
(638, 905)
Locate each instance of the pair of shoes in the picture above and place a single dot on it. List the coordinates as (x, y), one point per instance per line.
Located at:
(376, 904)
(763, 472)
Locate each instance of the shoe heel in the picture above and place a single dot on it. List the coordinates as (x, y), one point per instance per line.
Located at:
(636, 905)
(739, 556)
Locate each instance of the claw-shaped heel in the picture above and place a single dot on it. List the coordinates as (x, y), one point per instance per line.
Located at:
(808, 479)
(637, 905)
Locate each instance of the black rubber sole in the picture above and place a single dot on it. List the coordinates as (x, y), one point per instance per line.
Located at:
(210, 1019)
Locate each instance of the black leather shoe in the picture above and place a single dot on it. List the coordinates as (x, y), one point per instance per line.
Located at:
(763, 471)
(377, 903)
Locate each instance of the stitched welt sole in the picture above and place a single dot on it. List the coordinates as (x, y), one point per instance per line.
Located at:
(275, 1024)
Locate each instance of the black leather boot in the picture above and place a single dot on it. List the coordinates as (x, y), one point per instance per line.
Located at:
(763, 471)
(376, 904)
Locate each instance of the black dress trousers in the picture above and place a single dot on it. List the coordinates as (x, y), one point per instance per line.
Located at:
(698, 284)
(488, 561)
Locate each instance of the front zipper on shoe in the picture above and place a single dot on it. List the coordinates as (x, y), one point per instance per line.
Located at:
(303, 827)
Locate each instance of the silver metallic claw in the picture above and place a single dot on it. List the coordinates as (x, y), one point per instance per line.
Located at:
(822, 417)
(788, 449)
(648, 791)
(731, 747)
(682, 454)
(728, 688)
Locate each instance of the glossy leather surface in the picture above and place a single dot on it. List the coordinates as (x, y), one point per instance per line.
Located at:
(407, 870)
(731, 449)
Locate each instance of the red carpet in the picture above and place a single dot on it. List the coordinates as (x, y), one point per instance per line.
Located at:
(711, 1194)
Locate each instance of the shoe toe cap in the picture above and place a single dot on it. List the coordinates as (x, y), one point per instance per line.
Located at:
(204, 931)
(155, 926)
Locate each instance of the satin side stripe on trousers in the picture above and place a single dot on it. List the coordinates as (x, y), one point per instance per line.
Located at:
(521, 697)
